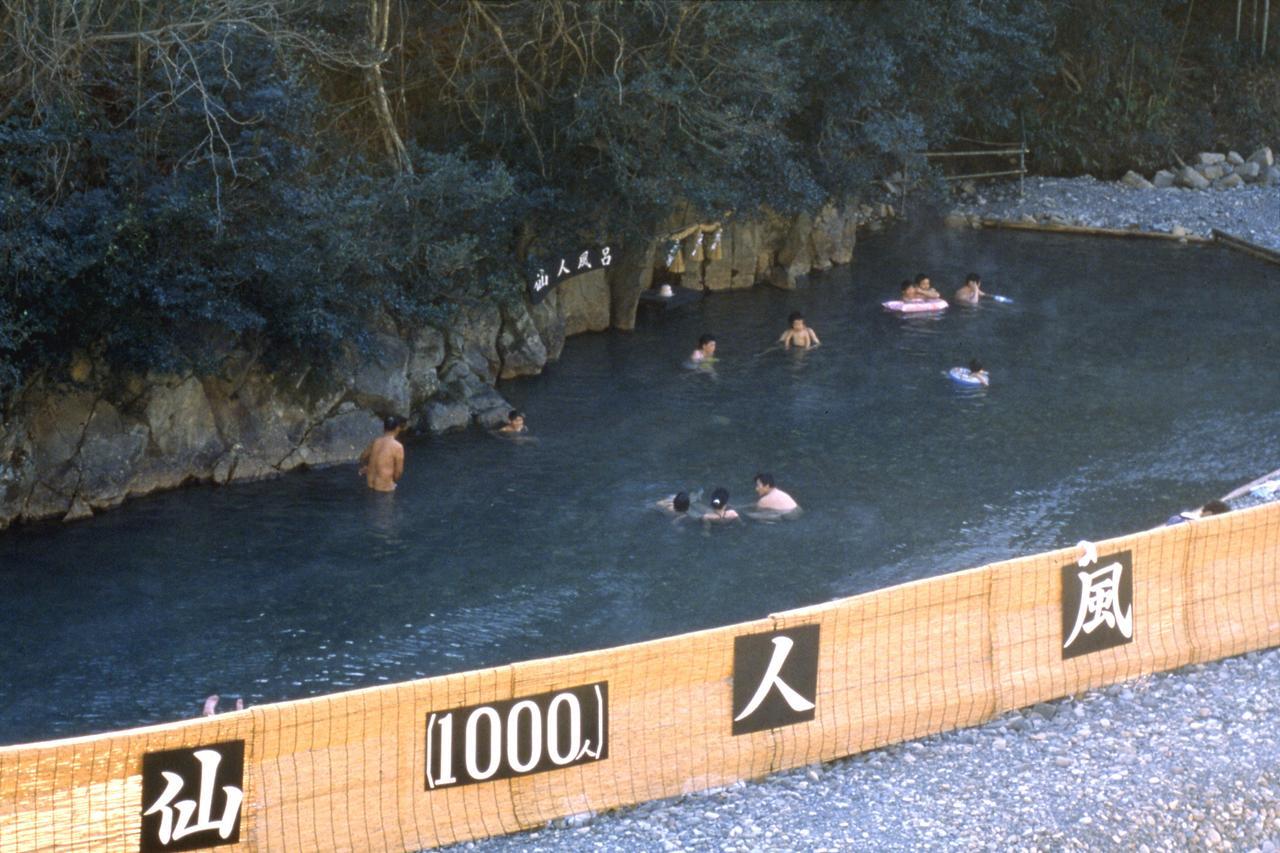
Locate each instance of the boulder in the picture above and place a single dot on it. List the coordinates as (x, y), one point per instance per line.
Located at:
(109, 453)
(827, 228)
(629, 274)
(548, 319)
(442, 416)
(585, 302)
(1230, 182)
(181, 423)
(1234, 158)
(718, 275)
(956, 219)
(17, 471)
(473, 336)
(1273, 176)
(781, 278)
(1249, 171)
(520, 348)
(1263, 157)
(742, 249)
(1133, 179)
(1213, 172)
(380, 382)
(339, 438)
(1191, 179)
(1163, 179)
(847, 237)
(1207, 158)
(260, 427)
(426, 353)
(795, 254)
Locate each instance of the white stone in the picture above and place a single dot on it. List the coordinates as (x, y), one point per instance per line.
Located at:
(1209, 158)
(1249, 171)
(1263, 157)
(1133, 179)
(1163, 179)
(1190, 178)
(1213, 172)
(1231, 182)
(1234, 158)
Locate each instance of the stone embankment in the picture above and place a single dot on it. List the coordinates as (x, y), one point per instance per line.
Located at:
(81, 439)
(1178, 761)
(1188, 205)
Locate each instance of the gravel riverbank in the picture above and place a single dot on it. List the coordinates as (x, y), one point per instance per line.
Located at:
(1175, 761)
(1250, 212)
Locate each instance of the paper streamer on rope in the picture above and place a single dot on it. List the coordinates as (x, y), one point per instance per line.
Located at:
(695, 252)
(675, 258)
(714, 251)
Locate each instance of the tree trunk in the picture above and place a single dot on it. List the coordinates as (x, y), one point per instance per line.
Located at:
(379, 31)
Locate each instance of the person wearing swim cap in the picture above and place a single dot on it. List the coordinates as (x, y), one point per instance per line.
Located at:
(382, 463)
(720, 510)
(769, 496)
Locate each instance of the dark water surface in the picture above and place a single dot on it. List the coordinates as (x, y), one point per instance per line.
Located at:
(1130, 380)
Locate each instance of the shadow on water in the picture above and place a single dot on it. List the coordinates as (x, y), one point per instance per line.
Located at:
(1113, 403)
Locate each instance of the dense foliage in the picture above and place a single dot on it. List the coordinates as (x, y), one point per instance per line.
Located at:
(181, 174)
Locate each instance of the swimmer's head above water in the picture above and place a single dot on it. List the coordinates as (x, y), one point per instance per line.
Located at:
(393, 423)
(680, 503)
(796, 318)
(720, 498)
(975, 366)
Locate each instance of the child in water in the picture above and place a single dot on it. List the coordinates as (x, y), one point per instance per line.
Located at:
(706, 351)
(924, 289)
(514, 425)
(799, 335)
(974, 371)
(720, 510)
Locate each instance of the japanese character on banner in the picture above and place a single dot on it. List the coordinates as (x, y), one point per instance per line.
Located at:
(1097, 602)
(584, 260)
(563, 270)
(192, 798)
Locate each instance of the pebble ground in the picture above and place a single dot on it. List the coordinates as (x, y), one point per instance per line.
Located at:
(1177, 761)
(1251, 212)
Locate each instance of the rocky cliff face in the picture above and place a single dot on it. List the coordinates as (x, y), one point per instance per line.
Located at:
(71, 448)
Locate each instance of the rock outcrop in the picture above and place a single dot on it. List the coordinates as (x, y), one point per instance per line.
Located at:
(84, 443)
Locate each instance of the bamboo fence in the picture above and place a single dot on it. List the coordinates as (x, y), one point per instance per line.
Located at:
(350, 771)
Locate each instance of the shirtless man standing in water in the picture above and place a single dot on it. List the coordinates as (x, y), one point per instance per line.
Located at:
(382, 463)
